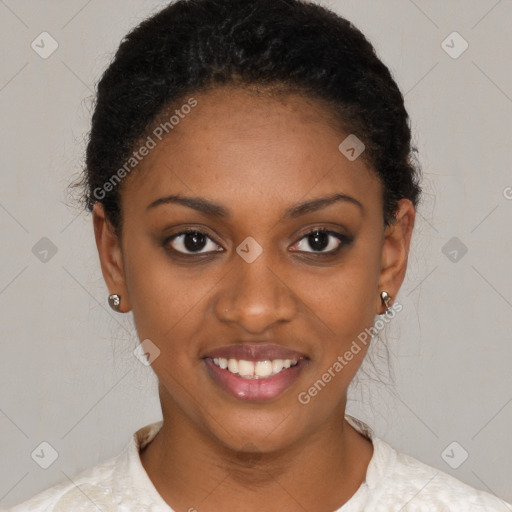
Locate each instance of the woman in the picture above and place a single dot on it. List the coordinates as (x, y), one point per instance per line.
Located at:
(253, 195)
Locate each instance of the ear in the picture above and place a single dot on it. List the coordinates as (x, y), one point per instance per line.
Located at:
(111, 257)
(395, 251)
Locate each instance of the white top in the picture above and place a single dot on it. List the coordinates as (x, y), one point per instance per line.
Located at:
(394, 482)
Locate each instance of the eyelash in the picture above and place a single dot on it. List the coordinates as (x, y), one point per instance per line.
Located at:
(344, 240)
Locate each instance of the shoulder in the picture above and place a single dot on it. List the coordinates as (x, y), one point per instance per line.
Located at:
(419, 487)
(117, 481)
(87, 491)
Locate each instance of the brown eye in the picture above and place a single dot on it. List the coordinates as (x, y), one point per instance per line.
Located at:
(322, 241)
(192, 242)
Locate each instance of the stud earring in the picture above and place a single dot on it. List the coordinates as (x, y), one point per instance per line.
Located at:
(385, 298)
(114, 301)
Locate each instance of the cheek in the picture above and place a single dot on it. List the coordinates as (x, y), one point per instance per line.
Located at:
(346, 296)
(162, 295)
(344, 301)
(346, 308)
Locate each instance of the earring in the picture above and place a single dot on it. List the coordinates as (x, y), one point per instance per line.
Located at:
(114, 301)
(385, 298)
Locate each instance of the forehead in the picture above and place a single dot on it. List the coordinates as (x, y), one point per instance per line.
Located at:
(240, 144)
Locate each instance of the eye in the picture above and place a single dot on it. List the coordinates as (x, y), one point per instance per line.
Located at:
(191, 240)
(318, 240)
(195, 242)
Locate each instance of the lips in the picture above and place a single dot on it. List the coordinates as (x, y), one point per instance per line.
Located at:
(225, 366)
(259, 390)
(255, 352)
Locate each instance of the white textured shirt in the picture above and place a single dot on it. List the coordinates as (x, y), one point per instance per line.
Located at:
(394, 482)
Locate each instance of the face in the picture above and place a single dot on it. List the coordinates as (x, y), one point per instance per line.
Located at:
(265, 264)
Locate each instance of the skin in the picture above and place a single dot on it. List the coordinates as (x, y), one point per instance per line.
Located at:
(256, 156)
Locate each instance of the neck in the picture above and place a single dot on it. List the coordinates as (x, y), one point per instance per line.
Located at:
(192, 470)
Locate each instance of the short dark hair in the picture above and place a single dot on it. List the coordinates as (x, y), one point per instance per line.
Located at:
(284, 45)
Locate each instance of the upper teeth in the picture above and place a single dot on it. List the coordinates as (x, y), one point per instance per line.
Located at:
(254, 369)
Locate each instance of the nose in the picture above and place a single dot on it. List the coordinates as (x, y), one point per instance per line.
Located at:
(256, 295)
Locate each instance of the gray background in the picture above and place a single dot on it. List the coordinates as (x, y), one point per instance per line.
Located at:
(68, 375)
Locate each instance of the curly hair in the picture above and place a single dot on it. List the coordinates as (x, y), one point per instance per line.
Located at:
(279, 45)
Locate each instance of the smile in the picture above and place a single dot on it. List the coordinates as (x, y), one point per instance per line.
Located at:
(254, 380)
(254, 369)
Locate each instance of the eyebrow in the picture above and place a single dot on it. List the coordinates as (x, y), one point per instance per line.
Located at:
(217, 210)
